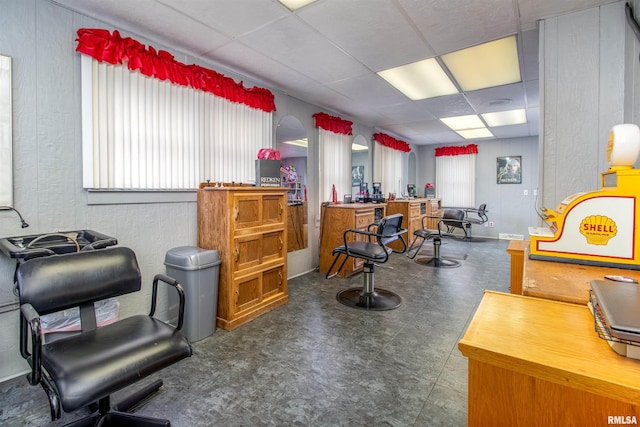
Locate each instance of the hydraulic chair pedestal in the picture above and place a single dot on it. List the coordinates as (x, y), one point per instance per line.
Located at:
(368, 297)
(437, 260)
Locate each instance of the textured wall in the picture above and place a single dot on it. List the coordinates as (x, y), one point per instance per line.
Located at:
(582, 97)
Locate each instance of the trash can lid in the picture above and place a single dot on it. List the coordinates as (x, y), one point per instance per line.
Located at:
(191, 258)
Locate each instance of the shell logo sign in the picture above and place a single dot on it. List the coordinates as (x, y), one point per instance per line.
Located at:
(598, 229)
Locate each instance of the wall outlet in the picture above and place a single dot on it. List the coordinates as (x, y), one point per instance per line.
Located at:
(526, 192)
(490, 224)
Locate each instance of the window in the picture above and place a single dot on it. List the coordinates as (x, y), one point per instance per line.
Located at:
(152, 123)
(456, 175)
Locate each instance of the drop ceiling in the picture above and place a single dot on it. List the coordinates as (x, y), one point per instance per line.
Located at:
(328, 53)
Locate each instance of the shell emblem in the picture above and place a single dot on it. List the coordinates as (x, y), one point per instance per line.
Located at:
(598, 229)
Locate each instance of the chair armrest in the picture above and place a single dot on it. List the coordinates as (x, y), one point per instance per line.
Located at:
(30, 321)
(177, 286)
(371, 234)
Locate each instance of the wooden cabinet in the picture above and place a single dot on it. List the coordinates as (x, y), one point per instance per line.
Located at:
(247, 226)
(414, 211)
(335, 219)
(536, 362)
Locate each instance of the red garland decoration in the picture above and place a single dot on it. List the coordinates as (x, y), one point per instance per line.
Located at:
(456, 151)
(391, 142)
(112, 48)
(333, 124)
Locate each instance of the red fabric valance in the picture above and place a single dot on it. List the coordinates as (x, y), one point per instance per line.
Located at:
(333, 124)
(456, 151)
(112, 48)
(391, 142)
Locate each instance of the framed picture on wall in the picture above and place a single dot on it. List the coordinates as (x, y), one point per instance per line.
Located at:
(357, 175)
(509, 170)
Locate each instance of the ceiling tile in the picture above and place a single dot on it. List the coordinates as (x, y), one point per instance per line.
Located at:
(380, 37)
(456, 24)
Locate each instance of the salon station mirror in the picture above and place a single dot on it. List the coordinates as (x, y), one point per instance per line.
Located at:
(360, 166)
(291, 141)
(6, 169)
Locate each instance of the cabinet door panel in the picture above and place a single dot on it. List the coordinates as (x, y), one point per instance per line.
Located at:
(272, 282)
(248, 292)
(272, 246)
(246, 211)
(247, 251)
(273, 209)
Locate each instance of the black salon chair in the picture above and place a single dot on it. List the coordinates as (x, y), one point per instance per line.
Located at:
(420, 237)
(475, 216)
(84, 369)
(371, 247)
(452, 220)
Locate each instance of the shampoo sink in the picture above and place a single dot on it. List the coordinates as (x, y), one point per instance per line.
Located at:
(55, 243)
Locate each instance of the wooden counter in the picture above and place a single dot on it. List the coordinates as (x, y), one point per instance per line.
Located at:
(536, 362)
(415, 212)
(557, 280)
(334, 220)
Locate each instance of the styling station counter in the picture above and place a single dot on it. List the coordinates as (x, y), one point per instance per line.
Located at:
(537, 362)
(334, 220)
(416, 213)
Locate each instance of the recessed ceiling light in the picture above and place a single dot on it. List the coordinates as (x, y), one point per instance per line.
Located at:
(504, 118)
(475, 133)
(420, 80)
(486, 65)
(471, 121)
(294, 5)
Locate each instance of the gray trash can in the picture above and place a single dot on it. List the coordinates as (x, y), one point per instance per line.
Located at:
(198, 272)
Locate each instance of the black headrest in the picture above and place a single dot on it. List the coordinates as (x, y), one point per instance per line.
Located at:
(455, 214)
(389, 225)
(59, 282)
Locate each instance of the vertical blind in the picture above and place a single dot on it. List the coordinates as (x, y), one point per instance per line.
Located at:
(387, 169)
(335, 163)
(140, 132)
(455, 180)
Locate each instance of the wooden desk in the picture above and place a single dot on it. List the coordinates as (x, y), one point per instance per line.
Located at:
(536, 362)
(557, 280)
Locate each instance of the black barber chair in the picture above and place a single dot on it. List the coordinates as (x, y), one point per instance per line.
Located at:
(452, 220)
(372, 248)
(87, 367)
(473, 216)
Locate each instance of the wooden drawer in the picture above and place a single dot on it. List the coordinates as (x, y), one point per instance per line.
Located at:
(414, 211)
(363, 219)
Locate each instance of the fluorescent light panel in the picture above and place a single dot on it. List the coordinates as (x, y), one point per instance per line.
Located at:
(420, 80)
(475, 133)
(358, 147)
(294, 5)
(463, 122)
(505, 118)
(297, 142)
(486, 65)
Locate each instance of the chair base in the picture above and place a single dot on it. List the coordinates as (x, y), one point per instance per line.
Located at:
(119, 416)
(379, 300)
(438, 262)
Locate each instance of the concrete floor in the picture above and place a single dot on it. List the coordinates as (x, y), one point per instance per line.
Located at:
(315, 362)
